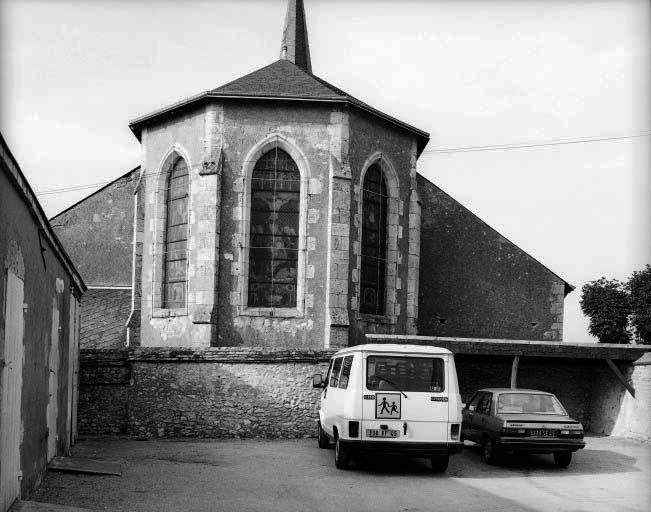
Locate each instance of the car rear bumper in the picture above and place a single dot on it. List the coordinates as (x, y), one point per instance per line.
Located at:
(413, 449)
(520, 444)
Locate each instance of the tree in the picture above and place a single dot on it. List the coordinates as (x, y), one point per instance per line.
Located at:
(608, 305)
(639, 289)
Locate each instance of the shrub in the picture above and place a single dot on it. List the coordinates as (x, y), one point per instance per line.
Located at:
(608, 305)
(639, 289)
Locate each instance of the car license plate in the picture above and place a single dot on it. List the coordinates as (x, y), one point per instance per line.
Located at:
(542, 433)
(376, 432)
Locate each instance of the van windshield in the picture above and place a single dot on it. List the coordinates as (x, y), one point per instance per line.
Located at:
(523, 403)
(417, 374)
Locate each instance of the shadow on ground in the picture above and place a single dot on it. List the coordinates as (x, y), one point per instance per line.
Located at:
(584, 462)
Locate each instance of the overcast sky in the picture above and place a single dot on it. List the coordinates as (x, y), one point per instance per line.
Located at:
(470, 73)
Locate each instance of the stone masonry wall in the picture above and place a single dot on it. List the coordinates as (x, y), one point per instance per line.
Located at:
(614, 411)
(97, 233)
(253, 392)
(104, 381)
(395, 151)
(474, 283)
(220, 392)
(224, 400)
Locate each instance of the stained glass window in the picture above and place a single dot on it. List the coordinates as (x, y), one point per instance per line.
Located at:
(374, 242)
(176, 236)
(274, 231)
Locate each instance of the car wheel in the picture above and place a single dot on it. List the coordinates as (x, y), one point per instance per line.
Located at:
(490, 452)
(562, 459)
(440, 463)
(321, 437)
(342, 455)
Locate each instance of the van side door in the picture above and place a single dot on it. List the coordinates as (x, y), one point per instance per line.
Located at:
(340, 396)
(329, 397)
(324, 397)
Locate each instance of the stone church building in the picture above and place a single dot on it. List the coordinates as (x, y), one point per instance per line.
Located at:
(279, 211)
(274, 219)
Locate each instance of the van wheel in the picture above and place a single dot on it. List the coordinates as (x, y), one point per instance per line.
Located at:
(342, 455)
(321, 437)
(562, 459)
(440, 463)
(490, 452)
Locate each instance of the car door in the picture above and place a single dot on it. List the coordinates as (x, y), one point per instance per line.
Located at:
(467, 415)
(330, 395)
(480, 420)
(324, 397)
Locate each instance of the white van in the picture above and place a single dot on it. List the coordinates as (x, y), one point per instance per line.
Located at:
(393, 399)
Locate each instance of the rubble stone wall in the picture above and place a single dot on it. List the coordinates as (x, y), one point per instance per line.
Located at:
(220, 392)
(224, 400)
(104, 382)
(614, 411)
(256, 392)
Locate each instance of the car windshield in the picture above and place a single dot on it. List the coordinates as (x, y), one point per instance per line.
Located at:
(417, 374)
(528, 403)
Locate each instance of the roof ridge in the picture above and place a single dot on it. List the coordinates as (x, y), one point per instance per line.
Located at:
(68, 208)
(568, 285)
(282, 80)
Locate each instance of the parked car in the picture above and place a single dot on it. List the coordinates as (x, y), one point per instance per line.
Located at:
(504, 420)
(391, 399)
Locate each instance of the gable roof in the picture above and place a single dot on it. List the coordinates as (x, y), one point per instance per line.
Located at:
(9, 165)
(92, 194)
(281, 80)
(422, 180)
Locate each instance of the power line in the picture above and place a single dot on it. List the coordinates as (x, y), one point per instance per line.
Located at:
(553, 142)
(461, 149)
(71, 189)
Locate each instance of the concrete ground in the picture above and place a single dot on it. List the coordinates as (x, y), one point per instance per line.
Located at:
(294, 475)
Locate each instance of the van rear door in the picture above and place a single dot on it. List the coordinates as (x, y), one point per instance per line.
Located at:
(405, 397)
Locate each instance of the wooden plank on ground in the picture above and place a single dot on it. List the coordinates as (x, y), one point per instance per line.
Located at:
(80, 465)
(35, 506)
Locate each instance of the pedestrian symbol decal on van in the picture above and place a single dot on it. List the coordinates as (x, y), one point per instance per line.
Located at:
(387, 405)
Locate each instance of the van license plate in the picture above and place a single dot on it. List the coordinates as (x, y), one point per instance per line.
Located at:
(375, 432)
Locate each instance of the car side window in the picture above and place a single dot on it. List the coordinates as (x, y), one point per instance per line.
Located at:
(345, 372)
(334, 377)
(327, 377)
(472, 405)
(484, 406)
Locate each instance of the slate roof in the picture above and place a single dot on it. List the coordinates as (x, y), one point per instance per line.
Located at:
(283, 79)
(104, 314)
(280, 80)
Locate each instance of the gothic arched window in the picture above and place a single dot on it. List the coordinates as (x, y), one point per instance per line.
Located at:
(374, 242)
(274, 231)
(176, 236)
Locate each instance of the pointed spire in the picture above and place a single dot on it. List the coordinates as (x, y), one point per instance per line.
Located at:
(294, 46)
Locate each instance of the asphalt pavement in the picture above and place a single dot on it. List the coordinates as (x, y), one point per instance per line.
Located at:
(294, 475)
